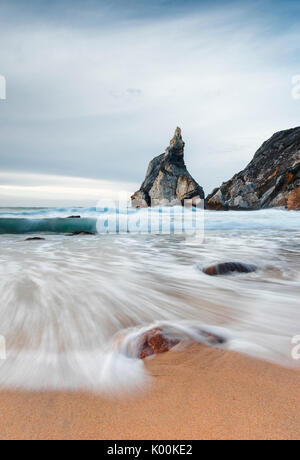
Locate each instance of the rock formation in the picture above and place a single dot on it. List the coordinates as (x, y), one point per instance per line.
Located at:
(168, 181)
(272, 179)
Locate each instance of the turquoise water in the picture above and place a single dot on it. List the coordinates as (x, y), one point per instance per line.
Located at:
(128, 220)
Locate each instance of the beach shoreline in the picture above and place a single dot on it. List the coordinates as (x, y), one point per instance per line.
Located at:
(197, 393)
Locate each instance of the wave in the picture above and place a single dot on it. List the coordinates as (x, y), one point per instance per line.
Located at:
(102, 220)
(45, 212)
(58, 225)
(115, 368)
(112, 368)
(41, 213)
(153, 220)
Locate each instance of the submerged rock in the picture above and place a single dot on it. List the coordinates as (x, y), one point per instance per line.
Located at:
(229, 267)
(272, 179)
(153, 342)
(35, 238)
(168, 181)
(80, 233)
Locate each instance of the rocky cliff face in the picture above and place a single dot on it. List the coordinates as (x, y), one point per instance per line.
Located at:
(272, 179)
(168, 181)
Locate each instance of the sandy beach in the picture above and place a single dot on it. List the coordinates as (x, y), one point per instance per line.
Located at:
(197, 393)
(149, 221)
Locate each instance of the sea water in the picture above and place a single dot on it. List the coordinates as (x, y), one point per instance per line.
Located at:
(71, 307)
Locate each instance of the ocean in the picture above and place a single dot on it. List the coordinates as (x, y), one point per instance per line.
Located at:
(73, 307)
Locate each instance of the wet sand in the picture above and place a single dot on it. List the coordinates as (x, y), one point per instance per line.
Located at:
(198, 393)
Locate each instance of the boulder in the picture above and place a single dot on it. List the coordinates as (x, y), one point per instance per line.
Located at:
(168, 182)
(153, 342)
(229, 267)
(272, 179)
(35, 238)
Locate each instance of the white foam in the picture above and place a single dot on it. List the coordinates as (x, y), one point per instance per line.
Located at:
(65, 301)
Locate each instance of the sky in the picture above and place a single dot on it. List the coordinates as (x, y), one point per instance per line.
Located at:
(95, 90)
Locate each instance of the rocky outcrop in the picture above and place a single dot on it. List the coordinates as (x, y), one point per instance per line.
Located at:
(272, 179)
(293, 202)
(168, 182)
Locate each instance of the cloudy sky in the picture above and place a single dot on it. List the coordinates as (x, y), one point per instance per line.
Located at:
(95, 89)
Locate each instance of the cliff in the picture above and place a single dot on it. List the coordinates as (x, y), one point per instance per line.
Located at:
(272, 179)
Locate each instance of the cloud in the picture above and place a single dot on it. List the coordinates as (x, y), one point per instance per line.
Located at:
(99, 98)
(134, 91)
(48, 190)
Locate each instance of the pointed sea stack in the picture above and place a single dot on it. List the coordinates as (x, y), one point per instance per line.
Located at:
(168, 182)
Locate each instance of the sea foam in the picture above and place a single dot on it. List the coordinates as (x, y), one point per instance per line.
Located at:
(72, 308)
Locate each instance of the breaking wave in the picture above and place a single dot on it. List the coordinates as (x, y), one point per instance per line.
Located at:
(129, 220)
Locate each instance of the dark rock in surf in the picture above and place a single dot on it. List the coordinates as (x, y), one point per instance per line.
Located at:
(168, 182)
(153, 342)
(228, 268)
(80, 233)
(272, 179)
(74, 217)
(36, 238)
